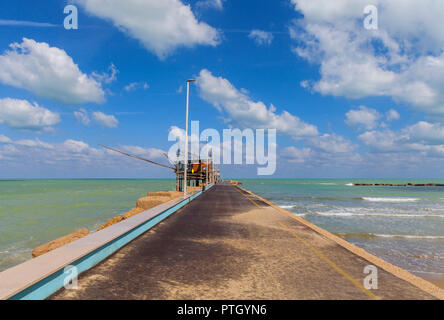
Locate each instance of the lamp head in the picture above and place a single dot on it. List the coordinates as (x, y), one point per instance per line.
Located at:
(191, 80)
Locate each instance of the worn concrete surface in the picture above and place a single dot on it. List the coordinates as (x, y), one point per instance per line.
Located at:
(227, 244)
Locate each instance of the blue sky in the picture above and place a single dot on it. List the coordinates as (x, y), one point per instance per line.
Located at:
(360, 103)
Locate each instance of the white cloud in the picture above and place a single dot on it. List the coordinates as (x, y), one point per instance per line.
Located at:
(162, 26)
(136, 85)
(387, 140)
(331, 143)
(261, 37)
(328, 150)
(105, 120)
(4, 139)
(403, 59)
(295, 155)
(364, 117)
(23, 23)
(245, 112)
(405, 20)
(213, 4)
(70, 156)
(424, 138)
(74, 156)
(425, 132)
(392, 115)
(109, 77)
(48, 72)
(76, 146)
(20, 114)
(149, 153)
(82, 116)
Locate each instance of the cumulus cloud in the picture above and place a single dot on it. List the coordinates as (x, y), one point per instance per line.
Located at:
(109, 77)
(21, 114)
(4, 139)
(213, 4)
(405, 20)
(247, 113)
(322, 154)
(82, 116)
(136, 85)
(71, 154)
(425, 132)
(261, 38)
(364, 117)
(105, 120)
(403, 59)
(24, 23)
(161, 26)
(423, 138)
(149, 153)
(392, 115)
(48, 72)
(242, 111)
(331, 143)
(295, 155)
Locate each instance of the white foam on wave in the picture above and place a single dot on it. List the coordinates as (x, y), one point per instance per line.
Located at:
(350, 184)
(409, 236)
(390, 199)
(338, 214)
(291, 207)
(394, 215)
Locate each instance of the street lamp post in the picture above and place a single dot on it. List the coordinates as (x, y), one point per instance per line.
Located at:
(186, 141)
(207, 166)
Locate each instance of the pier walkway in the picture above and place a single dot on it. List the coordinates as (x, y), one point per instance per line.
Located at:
(229, 244)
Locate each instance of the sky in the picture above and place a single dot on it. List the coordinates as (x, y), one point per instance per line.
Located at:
(347, 101)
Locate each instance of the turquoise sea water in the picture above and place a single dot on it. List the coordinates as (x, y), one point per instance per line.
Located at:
(33, 212)
(403, 225)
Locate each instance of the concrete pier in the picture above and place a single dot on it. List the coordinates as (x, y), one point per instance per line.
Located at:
(231, 244)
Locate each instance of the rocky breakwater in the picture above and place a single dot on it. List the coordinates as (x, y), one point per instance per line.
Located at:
(59, 242)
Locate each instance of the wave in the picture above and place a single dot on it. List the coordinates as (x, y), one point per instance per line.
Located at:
(393, 236)
(390, 199)
(394, 215)
(410, 237)
(350, 184)
(291, 207)
(426, 272)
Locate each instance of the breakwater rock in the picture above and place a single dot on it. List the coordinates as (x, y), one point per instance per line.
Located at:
(59, 242)
(153, 199)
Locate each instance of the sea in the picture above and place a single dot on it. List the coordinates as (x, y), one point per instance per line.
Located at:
(402, 225)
